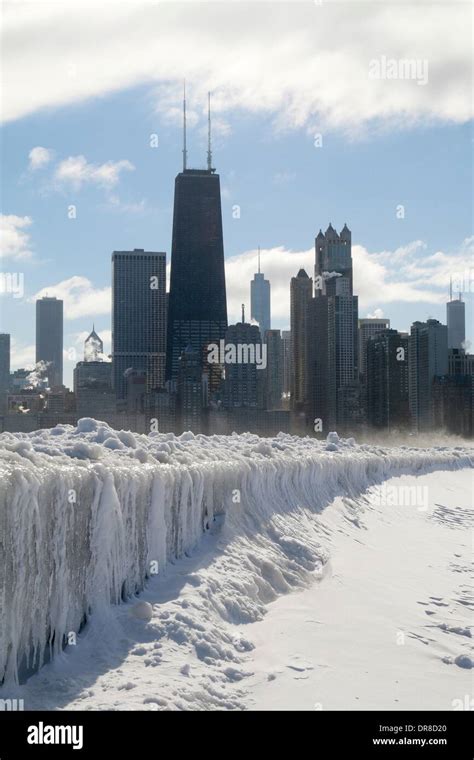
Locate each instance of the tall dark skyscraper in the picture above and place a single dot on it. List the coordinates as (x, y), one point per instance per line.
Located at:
(427, 358)
(138, 317)
(4, 370)
(243, 378)
(4, 362)
(197, 310)
(386, 371)
(333, 356)
(49, 338)
(300, 299)
(367, 328)
(333, 257)
(274, 370)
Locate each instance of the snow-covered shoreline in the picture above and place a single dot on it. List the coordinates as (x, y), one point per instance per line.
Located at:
(88, 513)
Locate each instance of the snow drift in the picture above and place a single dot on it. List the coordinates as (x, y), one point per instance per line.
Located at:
(88, 513)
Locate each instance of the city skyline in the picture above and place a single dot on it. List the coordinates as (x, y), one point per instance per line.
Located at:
(117, 170)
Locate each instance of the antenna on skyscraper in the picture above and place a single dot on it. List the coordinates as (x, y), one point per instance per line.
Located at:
(451, 288)
(209, 149)
(185, 152)
(243, 313)
(259, 259)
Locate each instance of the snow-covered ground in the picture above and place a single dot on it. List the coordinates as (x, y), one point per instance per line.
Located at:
(282, 582)
(390, 625)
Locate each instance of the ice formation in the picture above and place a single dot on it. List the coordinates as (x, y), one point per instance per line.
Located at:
(88, 513)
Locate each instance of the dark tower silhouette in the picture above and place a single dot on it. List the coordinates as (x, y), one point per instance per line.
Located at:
(197, 307)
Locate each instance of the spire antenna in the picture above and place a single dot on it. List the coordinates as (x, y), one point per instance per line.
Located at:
(243, 313)
(451, 288)
(209, 149)
(259, 259)
(185, 152)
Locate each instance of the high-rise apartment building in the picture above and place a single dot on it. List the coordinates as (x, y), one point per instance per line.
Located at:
(286, 348)
(243, 378)
(190, 406)
(4, 362)
(387, 381)
(300, 301)
(49, 339)
(367, 328)
(427, 358)
(274, 369)
(4, 370)
(138, 317)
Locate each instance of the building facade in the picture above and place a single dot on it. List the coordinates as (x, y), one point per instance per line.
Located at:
(49, 338)
(138, 317)
(334, 391)
(427, 358)
(190, 403)
(274, 370)
(244, 382)
(260, 300)
(197, 311)
(367, 328)
(456, 321)
(387, 381)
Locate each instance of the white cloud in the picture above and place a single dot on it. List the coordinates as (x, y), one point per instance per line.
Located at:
(22, 356)
(39, 157)
(76, 171)
(304, 63)
(114, 203)
(81, 298)
(376, 314)
(14, 240)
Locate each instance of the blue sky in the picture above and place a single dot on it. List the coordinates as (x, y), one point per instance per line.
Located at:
(369, 164)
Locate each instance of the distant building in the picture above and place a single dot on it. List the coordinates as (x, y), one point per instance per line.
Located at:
(243, 380)
(367, 328)
(260, 300)
(286, 348)
(453, 404)
(387, 381)
(159, 408)
(190, 406)
(19, 379)
(59, 401)
(342, 355)
(49, 338)
(4, 370)
(334, 390)
(427, 358)
(460, 363)
(138, 317)
(93, 389)
(456, 321)
(93, 347)
(300, 299)
(274, 370)
(333, 259)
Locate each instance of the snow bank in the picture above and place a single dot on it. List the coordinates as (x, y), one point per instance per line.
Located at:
(88, 513)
